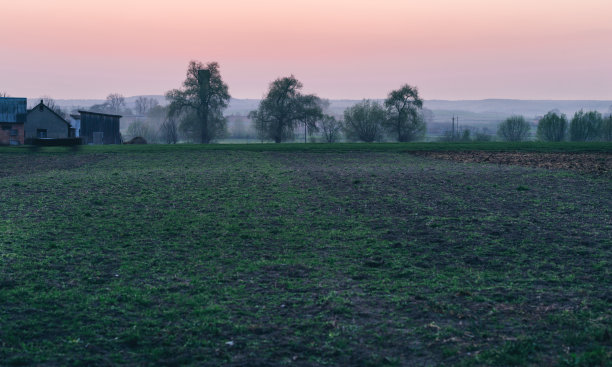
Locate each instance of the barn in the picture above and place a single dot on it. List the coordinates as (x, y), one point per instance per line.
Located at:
(99, 128)
(43, 122)
(13, 113)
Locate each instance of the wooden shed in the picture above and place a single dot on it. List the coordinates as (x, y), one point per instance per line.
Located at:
(99, 128)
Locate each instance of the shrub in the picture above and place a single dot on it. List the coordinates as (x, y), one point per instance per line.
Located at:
(606, 129)
(364, 121)
(585, 126)
(331, 128)
(514, 128)
(552, 127)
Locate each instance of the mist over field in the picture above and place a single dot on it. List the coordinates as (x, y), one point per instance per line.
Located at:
(484, 115)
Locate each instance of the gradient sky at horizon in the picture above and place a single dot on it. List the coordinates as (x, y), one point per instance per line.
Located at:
(351, 49)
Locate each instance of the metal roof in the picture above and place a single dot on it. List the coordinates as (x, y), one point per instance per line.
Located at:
(99, 113)
(13, 110)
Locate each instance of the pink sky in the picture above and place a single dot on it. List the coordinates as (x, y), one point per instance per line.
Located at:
(353, 49)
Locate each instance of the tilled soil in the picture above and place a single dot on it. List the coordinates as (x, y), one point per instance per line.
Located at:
(594, 163)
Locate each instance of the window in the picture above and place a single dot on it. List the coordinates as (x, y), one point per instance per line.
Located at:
(6, 127)
(14, 142)
(14, 132)
(41, 133)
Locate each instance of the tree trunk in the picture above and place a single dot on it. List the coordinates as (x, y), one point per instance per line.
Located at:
(204, 80)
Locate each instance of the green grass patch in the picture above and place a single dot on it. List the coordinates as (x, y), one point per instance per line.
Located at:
(313, 254)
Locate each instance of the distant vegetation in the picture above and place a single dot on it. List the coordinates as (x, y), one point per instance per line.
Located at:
(402, 116)
(513, 129)
(552, 127)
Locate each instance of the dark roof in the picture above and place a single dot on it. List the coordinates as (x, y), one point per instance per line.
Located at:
(53, 112)
(13, 110)
(99, 114)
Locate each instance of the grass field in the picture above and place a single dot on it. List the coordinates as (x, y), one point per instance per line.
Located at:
(257, 255)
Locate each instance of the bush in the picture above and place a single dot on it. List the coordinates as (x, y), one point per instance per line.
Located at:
(482, 137)
(331, 128)
(142, 129)
(364, 121)
(585, 126)
(606, 129)
(514, 128)
(552, 127)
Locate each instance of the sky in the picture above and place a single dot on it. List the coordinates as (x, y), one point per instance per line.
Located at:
(339, 49)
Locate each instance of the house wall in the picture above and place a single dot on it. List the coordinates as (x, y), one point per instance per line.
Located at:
(76, 125)
(11, 134)
(45, 119)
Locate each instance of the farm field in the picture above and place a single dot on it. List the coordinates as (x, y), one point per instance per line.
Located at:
(302, 255)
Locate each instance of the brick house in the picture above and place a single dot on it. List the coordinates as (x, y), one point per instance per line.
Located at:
(13, 112)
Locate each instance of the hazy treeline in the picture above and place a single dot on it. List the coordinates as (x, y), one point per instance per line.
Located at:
(195, 113)
(286, 114)
(555, 127)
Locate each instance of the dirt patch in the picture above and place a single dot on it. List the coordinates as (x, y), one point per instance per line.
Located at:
(597, 163)
(18, 165)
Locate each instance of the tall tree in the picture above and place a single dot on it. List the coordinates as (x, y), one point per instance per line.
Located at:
(364, 121)
(404, 114)
(284, 108)
(585, 126)
(205, 95)
(169, 131)
(552, 127)
(514, 128)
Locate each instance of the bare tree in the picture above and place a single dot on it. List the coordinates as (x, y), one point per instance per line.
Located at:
(53, 106)
(115, 103)
(144, 104)
(169, 131)
(331, 128)
(143, 129)
(4, 94)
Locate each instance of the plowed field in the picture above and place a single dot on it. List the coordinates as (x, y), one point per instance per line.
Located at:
(596, 163)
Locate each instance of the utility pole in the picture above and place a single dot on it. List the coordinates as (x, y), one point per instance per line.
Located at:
(457, 125)
(204, 81)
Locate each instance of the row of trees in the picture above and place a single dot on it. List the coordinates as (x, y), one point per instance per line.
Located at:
(197, 108)
(554, 127)
(115, 104)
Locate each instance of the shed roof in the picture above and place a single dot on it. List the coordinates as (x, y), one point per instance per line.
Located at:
(99, 113)
(13, 110)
